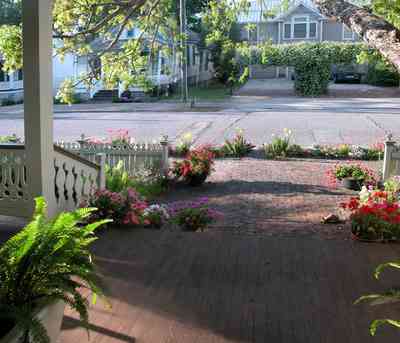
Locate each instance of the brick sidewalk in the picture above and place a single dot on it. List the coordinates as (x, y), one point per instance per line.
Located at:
(266, 197)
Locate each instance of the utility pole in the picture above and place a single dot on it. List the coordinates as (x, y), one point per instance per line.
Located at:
(184, 70)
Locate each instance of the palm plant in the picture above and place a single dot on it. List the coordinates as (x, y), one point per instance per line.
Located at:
(391, 296)
(47, 261)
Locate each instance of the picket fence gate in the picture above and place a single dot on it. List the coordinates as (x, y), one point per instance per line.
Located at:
(134, 156)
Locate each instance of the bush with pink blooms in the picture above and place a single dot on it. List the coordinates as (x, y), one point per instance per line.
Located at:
(117, 137)
(125, 208)
(193, 215)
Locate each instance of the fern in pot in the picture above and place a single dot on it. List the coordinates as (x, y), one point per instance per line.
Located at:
(41, 269)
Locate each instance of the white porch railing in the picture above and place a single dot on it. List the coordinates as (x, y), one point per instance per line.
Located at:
(74, 178)
(14, 190)
(134, 156)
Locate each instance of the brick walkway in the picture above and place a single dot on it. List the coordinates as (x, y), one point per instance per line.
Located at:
(264, 197)
(268, 273)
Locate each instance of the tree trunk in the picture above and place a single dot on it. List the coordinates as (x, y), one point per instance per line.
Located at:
(374, 30)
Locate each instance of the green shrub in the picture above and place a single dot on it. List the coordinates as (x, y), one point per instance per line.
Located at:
(279, 147)
(238, 146)
(149, 182)
(47, 261)
(296, 150)
(117, 179)
(10, 139)
(383, 76)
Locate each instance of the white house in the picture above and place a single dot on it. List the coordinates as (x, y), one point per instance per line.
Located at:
(163, 71)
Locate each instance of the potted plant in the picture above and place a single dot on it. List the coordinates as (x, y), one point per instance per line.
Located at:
(195, 168)
(193, 215)
(155, 216)
(374, 215)
(41, 269)
(352, 176)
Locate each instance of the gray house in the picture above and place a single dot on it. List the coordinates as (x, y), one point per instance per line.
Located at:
(268, 21)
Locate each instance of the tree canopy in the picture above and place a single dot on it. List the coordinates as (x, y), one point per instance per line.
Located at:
(93, 28)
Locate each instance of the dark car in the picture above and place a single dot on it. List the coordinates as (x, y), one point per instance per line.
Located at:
(347, 77)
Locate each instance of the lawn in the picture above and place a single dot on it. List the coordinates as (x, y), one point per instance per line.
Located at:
(214, 91)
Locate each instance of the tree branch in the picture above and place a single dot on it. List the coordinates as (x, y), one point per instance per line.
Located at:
(374, 30)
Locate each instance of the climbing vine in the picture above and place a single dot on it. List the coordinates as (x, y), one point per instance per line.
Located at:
(312, 62)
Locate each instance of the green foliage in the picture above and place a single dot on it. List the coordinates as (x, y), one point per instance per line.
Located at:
(218, 23)
(238, 146)
(353, 171)
(380, 71)
(312, 62)
(280, 145)
(149, 183)
(117, 179)
(47, 261)
(11, 47)
(10, 139)
(10, 12)
(389, 297)
(389, 9)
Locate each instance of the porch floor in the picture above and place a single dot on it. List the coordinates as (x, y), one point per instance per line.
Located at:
(217, 287)
(269, 272)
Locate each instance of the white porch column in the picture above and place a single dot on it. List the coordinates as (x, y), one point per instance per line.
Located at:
(38, 98)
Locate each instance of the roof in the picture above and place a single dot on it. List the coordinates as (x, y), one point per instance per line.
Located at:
(258, 8)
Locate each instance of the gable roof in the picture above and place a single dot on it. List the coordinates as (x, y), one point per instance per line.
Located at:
(257, 8)
(306, 7)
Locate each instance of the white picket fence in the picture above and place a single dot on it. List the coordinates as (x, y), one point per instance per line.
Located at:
(135, 156)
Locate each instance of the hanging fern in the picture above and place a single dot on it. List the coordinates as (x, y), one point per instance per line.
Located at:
(47, 261)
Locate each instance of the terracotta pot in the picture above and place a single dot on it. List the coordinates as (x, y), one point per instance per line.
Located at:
(352, 184)
(51, 317)
(196, 180)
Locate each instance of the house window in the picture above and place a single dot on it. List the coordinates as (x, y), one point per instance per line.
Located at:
(300, 28)
(287, 31)
(347, 33)
(313, 30)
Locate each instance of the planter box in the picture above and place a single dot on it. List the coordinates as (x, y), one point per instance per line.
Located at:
(51, 317)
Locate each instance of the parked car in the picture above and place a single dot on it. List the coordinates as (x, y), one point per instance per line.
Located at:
(347, 77)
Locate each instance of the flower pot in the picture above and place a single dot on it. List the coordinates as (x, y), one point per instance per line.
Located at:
(51, 317)
(196, 180)
(352, 184)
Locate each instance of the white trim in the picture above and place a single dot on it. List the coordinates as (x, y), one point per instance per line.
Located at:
(344, 27)
(293, 22)
(321, 30)
(284, 15)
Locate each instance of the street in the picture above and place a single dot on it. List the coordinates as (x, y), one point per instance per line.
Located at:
(313, 121)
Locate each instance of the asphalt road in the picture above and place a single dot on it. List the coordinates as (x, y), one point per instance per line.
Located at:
(313, 121)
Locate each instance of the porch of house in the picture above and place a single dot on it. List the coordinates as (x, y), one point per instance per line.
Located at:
(221, 287)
